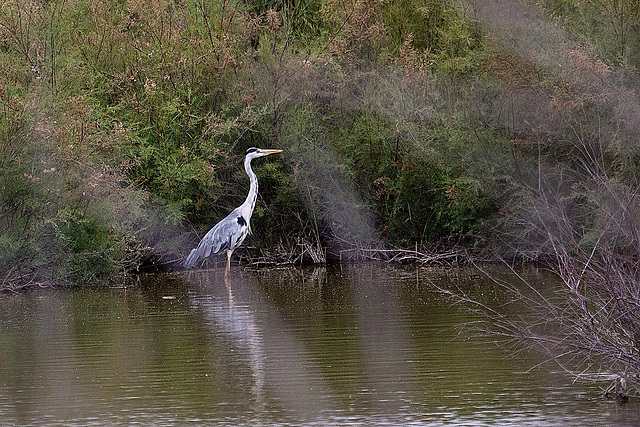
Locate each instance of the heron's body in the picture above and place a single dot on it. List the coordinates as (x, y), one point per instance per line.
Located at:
(229, 233)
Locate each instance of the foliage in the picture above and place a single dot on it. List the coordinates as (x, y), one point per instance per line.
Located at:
(419, 199)
(120, 122)
(608, 26)
(95, 253)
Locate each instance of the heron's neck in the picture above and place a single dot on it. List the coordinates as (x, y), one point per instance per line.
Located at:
(250, 203)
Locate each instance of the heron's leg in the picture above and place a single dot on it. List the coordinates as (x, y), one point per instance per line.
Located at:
(226, 276)
(226, 271)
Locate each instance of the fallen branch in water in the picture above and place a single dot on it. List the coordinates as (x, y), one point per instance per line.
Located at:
(588, 340)
(402, 256)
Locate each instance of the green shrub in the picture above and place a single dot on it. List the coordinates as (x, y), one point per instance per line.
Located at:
(94, 250)
(609, 27)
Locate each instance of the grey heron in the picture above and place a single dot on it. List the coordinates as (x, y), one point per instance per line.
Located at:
(229, 233)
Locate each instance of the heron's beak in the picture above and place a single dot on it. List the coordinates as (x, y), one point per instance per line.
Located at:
(269, 151)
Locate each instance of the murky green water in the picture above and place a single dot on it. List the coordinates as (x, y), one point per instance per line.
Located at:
(363, 345)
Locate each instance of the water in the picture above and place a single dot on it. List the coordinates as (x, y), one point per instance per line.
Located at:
(359, 345)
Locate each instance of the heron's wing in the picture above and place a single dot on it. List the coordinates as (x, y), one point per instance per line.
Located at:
(227, 234)
(222, 236)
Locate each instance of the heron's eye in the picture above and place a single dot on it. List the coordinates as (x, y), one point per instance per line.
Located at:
(251, 150)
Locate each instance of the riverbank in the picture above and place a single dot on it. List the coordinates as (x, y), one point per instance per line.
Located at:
(426, 131)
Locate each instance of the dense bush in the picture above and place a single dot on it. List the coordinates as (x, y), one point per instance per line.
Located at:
(609, 27)
(402, 123)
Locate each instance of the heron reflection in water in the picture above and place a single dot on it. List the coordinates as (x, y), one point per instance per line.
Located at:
(229, 233)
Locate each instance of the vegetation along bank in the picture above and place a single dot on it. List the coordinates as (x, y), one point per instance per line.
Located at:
(414, 129)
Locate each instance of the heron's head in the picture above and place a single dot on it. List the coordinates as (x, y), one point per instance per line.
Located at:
(254, 152)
